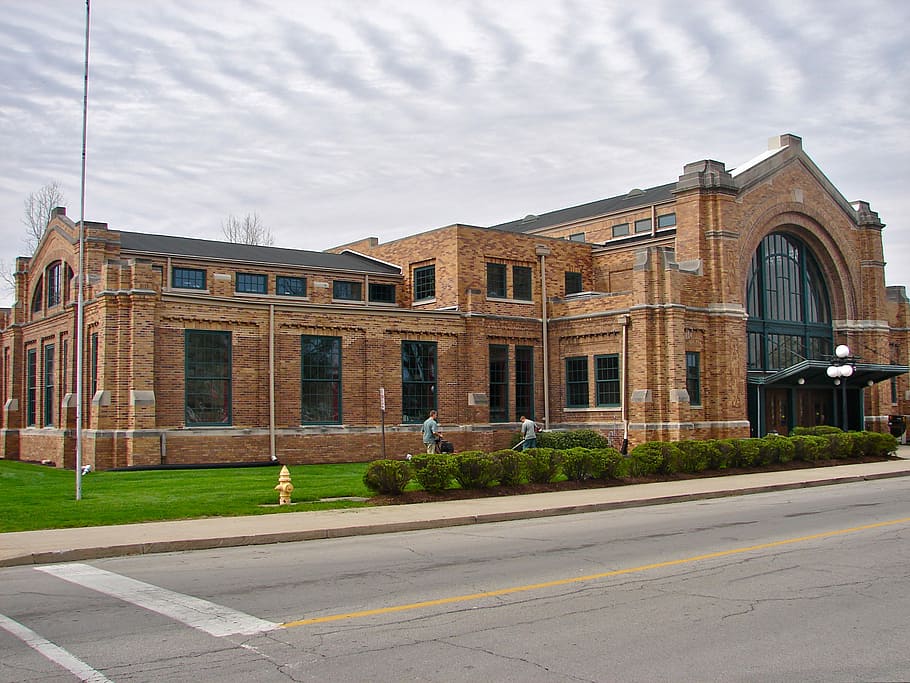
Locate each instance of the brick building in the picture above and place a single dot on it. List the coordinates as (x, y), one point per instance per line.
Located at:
(706, 307)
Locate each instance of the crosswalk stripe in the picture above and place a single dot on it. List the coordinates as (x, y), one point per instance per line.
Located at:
(53, 652)
(200, 614)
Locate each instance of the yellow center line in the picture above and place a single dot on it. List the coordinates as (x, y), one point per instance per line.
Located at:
(589, 577)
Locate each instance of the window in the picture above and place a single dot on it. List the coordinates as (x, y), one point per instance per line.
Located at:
(208, 377)
(37, 297)
(496, 280)
(347, 290)
(499, 383)
(693, 377)
(668, 220)
(251, 283)
(573, 283)
(382, 293)
(52, 282)
(93, 360)
(424, 283)
(31, 383)
(621, 230)
(524, 381)
(418, 380)
(521, 283)
(290, 286)
(188, 278)
(643, 225)
(320, 380)
(606, 380)
(577, 382)
(49, 385)
(575, 237)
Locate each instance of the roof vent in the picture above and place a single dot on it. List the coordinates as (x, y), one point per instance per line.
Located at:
(635, 192)
(530, 218)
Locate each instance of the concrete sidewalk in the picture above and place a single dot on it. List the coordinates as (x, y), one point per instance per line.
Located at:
(66, 545)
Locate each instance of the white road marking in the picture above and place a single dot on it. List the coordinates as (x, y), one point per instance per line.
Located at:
(53, 652)
(200, 614)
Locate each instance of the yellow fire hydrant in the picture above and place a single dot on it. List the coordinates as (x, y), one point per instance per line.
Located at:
(285, 487)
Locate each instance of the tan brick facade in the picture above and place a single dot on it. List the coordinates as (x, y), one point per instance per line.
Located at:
(663, 279)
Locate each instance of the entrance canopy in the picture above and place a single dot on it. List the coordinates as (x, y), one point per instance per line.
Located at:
(815, 373)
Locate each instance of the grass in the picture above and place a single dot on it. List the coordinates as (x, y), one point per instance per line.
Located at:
(39, 497)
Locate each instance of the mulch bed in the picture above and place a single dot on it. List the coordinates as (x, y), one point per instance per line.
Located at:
(496, 491)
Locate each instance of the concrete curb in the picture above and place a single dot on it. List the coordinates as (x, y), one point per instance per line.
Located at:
(71, 545)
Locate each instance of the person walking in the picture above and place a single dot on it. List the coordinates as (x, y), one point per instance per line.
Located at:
(431, 432)
(529, 431)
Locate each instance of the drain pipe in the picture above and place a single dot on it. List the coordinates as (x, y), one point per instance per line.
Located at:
(543, 251)
(272, 454)
(623, 379)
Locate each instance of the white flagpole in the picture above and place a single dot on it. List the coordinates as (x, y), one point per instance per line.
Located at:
(80, 318)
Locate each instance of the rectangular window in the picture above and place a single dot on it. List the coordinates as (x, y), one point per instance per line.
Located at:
(53, 285)
(187, 278)
(524, 381)
(424, 283)
(320, 379)
(496, 280)
(418, 380)
(621, 230)
(208, 377)
(93, 360)
(668, 220)
(347, 290)
(499, 383)
(49, 385)
(521, 283)
(251, 283)
(31, 383)
(643, 225)
(290, 286)
(573, 283)
(606, 380)
(575, 237)
(693, 377)
(577, 382)
(382, 293)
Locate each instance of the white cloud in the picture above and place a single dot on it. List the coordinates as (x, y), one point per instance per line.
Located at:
(336, 121)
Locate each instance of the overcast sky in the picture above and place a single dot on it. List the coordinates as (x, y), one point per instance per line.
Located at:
(342, 119)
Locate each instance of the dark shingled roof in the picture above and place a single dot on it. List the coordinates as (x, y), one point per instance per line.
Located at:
(631, 200)
(165, 245)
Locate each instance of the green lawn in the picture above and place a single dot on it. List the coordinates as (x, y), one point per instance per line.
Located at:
(40, 497)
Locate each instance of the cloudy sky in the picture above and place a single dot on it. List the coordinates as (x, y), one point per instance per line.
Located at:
(336, 120)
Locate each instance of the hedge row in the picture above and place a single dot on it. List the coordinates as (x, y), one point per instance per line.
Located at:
(479, 470)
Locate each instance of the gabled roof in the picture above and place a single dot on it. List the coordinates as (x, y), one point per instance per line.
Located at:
(631, 200)
(136, 243)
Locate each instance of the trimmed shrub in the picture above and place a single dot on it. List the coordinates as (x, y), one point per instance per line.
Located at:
(544, 464)
(389, 477)
(433, 471)
(747, 454)
(608, 463)
(694, 456)
(475, 469)
(818, 430)
(773, 449)
(725, 454)
(512, 466)
(648, 458)
(577, 438)
(840, 445)
(579, 464)
(809, 448)
(884, 444)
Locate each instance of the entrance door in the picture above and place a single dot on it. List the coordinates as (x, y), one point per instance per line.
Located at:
(814, 407)
(777, 411)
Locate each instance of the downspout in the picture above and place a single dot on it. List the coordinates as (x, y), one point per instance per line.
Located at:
(272, 454)
(543, 251)
(624, 382)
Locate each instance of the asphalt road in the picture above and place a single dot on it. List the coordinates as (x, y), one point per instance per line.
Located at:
(808, 584)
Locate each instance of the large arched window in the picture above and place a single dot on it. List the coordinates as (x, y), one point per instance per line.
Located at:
(787, 303)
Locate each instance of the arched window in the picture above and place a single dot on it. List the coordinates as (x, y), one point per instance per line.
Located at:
(787, 303)
(37, 296)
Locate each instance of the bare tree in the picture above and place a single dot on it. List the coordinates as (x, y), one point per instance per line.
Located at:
(38, 207)
(246, 230)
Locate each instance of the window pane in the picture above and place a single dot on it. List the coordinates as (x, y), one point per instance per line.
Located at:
(666, 221)
(524, 381)
(188, 278)
(573, 283)
(496, 280)
(251, 283)
(49, 385)
(621, 230)
(521, 283)
(208, 377)
(693, 377)
(606, 369)
(320, 369)
(348, 290)
(418, 380)
(643, 225)
(31, 381)
(424, 283)
(577, 382)
(499, 383)
(290, 286)
(382, 293)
